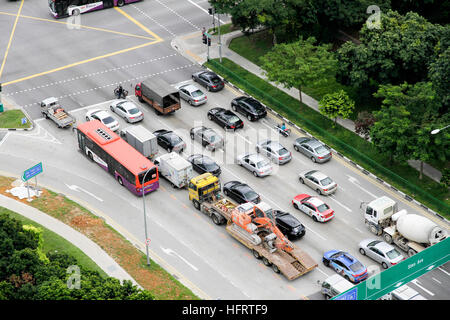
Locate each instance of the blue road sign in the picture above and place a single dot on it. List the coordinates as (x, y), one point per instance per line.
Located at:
(351, 294)
(34, 171)
(23, 120)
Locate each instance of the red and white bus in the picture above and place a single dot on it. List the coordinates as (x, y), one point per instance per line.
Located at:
(65, 8)
(116, 156)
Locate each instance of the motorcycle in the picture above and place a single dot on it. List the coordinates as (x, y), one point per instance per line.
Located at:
(118, 96)
(285, 132)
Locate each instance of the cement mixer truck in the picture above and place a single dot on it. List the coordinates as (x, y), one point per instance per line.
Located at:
(410, 232)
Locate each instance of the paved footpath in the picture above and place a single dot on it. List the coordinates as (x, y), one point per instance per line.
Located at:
(90, 248)
(192, 47)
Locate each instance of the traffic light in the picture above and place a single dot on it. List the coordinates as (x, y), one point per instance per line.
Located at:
(209, 42)
(210, 11)
(204, 39)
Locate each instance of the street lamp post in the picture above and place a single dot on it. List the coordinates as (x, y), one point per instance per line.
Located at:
(436, 131)
(145, 217)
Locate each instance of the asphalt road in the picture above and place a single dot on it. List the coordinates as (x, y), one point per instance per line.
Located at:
(82, 66)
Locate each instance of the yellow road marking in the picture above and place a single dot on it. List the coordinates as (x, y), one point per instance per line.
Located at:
(140, 25)
(81, 26)
(80, 62)
(173, 197)
(11, 38)
(193, 55)
(196, 34)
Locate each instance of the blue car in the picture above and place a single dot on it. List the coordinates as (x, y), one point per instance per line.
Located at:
(346, 265)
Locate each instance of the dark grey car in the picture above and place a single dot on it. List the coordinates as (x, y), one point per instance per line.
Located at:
(209, 80)
(313, 149)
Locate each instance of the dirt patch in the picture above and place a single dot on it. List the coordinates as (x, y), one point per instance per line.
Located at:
(153, 278)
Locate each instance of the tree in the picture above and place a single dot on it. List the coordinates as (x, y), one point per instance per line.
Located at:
(440, 77)
(363, 123)
(299, 64)
(336, 104)
(400, 50)
(445, 179)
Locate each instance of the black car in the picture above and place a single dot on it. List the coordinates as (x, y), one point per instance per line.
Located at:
(289, 225)
(225, 118)
(203, 164)
(169, 140)
(240, 192)
(209, 80)
(249, 107)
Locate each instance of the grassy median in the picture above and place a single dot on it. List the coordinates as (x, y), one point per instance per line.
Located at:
(154, 278)
(11, 119)
(298, 114)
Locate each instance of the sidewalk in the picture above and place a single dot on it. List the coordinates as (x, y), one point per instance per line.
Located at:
(90, 248)
(191, 47)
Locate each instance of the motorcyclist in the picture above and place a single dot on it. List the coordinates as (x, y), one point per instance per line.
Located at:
(119, 91)
(283, 127)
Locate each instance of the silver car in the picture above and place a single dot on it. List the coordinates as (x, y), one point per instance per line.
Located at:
(207, 137)
(274, 151)
(318, 181)
(380, 251)
(255, 163)
(104, 117)
(127, 110)
(193, 95)
(313, 149)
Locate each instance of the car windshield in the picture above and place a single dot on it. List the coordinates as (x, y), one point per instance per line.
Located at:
(323, 207)
(215, 80)
(262, 164)
(283, 152)
(174, 139)
(196, 93)
(133, 111)
(233, 118)
(321, 150)
(326, 181)
(108, 120)
(393, 254)
(356, 266)
(209, 164)
(250, 194)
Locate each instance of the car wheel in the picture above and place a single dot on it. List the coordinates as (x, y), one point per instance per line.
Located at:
(190, 102)
(255, 174)
(384, 265)
(208, 88)
(233, 107)
(314, 218)
(87, 119)
(140, 99)
(193, 79)
(319, 191)
(249, 117)
(313, 159)
(348, 278)
(266, 261)
(296, 206)
(256, 254)
(210, 117)
(192, 136)
(257, 150)
(296, 149)
(226, 192)
(362, 251)
(112, 109)
(326, 262)
(301, 180)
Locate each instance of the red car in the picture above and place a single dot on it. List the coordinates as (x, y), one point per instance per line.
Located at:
(313, 207)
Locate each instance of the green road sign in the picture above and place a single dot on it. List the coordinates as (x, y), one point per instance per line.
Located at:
(33, 171)
(409, 269)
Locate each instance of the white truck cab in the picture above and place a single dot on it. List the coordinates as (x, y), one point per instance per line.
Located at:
(334, 285)
(378, 213)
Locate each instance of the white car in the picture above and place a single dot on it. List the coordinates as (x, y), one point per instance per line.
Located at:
(255, 163)
(104, 117)
(127, 110)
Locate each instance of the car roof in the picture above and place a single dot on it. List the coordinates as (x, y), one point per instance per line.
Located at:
(315, 201)
(383, 246)
(255, 157)
(346, 258)
(102, 114)
(319, 175)
(190, 87)
(127, 105)
(288, 218)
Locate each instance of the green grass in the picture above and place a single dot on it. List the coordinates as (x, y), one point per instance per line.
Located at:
(54, 242)
(12, 119)
(297, 114)
(224, 28)
(256, 45)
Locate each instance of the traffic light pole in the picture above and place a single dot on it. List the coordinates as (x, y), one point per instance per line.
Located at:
(220, 40)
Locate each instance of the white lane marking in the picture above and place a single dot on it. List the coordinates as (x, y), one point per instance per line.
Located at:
(147, 16)
(436, 280)
(77, 188)
(239, 135)
(170, 252)
(264, 122)
(201, 8)
(356, 183)
(357, 230)
(322, 272)
(417, 283)
(343, 206)
(4, 138)
(444, 271)
(177, 14)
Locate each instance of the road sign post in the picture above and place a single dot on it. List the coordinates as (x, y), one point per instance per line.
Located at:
(409, 269)
(1, 104)
(30, 173)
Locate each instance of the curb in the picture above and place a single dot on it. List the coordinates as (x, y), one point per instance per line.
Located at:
(366, 172)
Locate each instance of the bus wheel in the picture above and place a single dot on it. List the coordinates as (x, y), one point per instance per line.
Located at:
(120, 3)
(90, 156)
(120, 181)
(76, 12)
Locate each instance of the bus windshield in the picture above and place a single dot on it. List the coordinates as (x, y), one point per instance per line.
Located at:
(151, 175)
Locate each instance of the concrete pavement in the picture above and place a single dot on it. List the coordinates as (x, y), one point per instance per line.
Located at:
(90, 248)
(192, 48)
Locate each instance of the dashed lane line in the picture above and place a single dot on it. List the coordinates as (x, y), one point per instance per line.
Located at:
(178, 15)
(153, 20)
